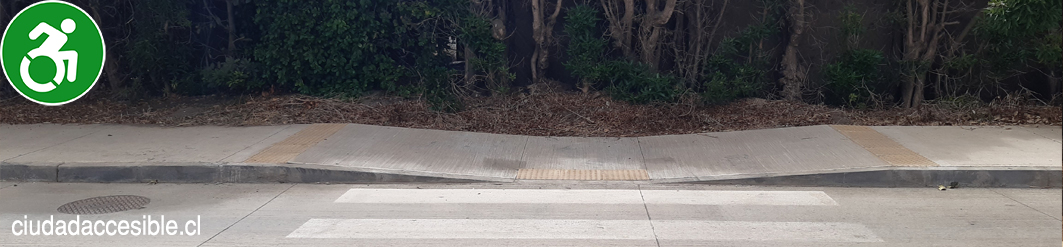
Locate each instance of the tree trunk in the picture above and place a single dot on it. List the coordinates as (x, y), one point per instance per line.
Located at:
(913, 90)
(650, 43)
(698, 38)
(620, 26)
(542, 33)
(470, 72)
(231, 27)
(907, 89)
(941, 85)
(793, 72)
(114, 79)
(537, 26)
(1053, 83)
(652, 25)
(920, 85)
(925, 28)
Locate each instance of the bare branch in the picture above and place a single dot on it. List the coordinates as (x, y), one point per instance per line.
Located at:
(664, 16)
(719, 19)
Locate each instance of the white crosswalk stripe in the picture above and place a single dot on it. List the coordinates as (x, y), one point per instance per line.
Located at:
(584, 229)
(763, 231)
(500, 196)
(715, 197)
(480, 228)
(490, 196)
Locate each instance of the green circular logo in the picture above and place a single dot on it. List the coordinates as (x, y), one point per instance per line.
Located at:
(52, 52)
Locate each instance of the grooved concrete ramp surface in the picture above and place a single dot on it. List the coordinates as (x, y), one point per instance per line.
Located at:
(753, 153)
(421, 152)
(981, 146)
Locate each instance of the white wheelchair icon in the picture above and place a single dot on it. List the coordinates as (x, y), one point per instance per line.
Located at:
(50, 48)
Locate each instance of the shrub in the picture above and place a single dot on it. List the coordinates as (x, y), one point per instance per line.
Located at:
(334, 47)
(636, 83)
(585, 44)
(437, 91)
(159, 52)
(236, 75)
(731, 81)
(1021, 36)
(853, 80)
(738, 68)
(490, 53)
(627, 81)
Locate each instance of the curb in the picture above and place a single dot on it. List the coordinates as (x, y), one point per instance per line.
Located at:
(978, 177)
(191, 172)
(203, 173)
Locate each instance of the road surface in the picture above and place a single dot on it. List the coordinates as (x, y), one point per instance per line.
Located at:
(532, 214)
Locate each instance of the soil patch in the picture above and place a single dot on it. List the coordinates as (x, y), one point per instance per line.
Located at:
(542, 114)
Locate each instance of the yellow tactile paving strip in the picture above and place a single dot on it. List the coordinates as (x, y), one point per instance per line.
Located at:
(566, 174)
(286, 150)
(882, 146)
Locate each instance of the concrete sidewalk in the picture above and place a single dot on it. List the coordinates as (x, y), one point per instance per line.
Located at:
(351, 153)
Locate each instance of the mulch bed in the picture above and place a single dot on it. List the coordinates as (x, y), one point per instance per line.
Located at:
(544, 114)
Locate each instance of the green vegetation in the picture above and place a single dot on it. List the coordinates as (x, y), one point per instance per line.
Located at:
(415, 48)
(586, 45)
(1019, 34)
(627, 81)
(160, 59)
(333, 47)
(396, 46)
(854, 79)
(740, 66)
(636, 83)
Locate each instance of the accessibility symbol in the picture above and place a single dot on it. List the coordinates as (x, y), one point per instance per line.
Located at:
(49, 65)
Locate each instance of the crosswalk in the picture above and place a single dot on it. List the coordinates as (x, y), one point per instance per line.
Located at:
(590, 226)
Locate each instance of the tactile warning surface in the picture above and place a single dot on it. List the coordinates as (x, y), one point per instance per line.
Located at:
(286, 150)
(567, 174)
(882, 146)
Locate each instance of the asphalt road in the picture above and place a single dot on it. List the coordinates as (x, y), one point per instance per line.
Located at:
(530, 214)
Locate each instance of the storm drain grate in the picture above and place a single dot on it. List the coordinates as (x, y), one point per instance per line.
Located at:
(104, 204)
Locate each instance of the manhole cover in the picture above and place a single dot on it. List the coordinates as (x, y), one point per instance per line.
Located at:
(104, 204)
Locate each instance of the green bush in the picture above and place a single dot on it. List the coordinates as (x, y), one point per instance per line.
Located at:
(1020, 35)
(437, 91)
(336, 47)
(627, 81)
(738, 68)
(731, 81)
(159, 52)
(236, 75)
(585, 44)
(854, 79)
(490, 59)
(636, 83)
